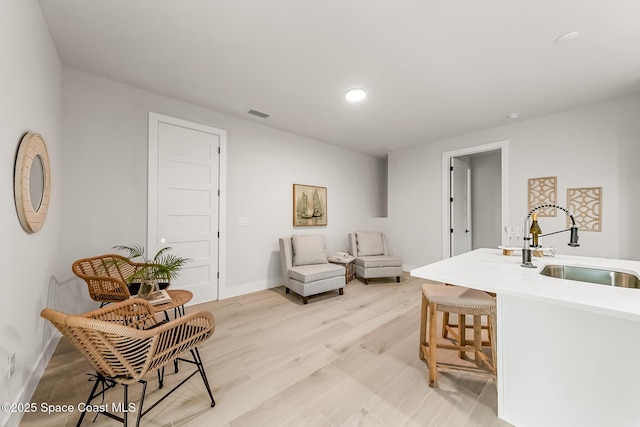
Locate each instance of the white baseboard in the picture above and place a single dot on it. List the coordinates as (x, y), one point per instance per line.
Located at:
(33, 380)
(248, 288)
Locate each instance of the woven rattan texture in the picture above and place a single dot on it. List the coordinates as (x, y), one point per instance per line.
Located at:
(124, 340)
(106, 276)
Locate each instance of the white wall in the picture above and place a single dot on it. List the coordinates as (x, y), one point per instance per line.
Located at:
(31, 88)
(105, 179)
(592, 146)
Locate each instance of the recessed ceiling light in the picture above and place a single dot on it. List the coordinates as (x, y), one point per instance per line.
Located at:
(567, 37)
(355, 95)
(513, 116)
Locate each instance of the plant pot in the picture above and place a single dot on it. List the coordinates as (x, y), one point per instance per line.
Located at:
(134, 288)
(147, 288)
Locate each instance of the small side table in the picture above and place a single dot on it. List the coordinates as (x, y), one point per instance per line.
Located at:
(348, 263)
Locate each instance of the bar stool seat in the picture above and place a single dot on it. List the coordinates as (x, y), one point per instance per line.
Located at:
(461, 301)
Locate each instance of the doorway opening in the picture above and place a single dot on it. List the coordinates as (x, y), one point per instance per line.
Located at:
(475, 192)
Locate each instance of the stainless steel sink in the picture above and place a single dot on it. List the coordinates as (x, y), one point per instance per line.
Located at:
(592, 275)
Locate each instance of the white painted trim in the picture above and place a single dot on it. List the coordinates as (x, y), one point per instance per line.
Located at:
(248, 288)
(222, 215)
(152, 188)
(152, 179)
(14, 418)
(503, 146)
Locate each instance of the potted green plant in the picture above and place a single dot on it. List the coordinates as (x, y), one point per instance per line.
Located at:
(156, 272)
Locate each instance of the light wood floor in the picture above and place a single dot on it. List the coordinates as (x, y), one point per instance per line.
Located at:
(349, 360)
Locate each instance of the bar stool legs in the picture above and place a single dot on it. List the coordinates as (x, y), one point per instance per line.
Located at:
(461, 301)
(448, 327)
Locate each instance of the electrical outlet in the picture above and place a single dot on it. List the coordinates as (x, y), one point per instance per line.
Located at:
(12, 364)
(243, 222)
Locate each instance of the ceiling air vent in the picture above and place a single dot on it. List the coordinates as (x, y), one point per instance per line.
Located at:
(258, 113)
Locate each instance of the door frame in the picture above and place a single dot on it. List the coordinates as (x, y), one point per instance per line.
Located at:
(503, 146)
(152, 187)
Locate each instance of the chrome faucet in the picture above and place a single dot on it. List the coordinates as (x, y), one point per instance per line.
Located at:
(526, 250)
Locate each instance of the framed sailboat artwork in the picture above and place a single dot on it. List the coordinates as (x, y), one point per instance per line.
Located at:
(309, 205)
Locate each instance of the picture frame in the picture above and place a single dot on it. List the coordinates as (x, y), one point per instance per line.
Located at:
(586, 205)
(543, 191)
(309, 205)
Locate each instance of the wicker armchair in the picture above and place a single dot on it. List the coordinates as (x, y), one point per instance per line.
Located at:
(124, 342)
(106, 276)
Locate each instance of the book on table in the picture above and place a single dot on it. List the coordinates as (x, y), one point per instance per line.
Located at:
(157, 297)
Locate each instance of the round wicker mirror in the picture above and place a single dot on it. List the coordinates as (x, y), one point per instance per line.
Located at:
(32, 182)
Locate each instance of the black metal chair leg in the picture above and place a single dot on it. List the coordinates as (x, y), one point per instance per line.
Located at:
(161, 377)
(144, 391)
(108, 383)
(126, 404)
(91, 396)
(196, 357)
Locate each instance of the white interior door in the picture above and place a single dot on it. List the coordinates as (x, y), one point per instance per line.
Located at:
(184, 188)
(460, 213)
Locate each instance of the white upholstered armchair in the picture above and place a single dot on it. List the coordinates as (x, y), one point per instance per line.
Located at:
(373, 258)
(305, 268)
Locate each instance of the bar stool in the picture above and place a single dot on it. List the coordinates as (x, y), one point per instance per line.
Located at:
(462, 301)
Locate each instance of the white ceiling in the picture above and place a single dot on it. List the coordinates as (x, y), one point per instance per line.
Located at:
(432, 69)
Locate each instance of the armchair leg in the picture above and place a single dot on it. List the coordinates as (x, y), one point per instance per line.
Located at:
(305, 300)
(126, 403)
(286, 290)
(106, 383)
(341, 291)
(99, 380)
(161, 377)
(366, 281)
(398, 279)
(196, 356)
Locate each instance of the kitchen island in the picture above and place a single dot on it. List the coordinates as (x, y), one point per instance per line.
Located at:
(566, 349)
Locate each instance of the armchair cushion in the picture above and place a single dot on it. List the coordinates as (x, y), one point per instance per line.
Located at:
(369, 243)
(379, 261)
(308, 249)
(313, 272)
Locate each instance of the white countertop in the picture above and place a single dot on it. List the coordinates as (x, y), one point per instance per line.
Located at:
(489, 270)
